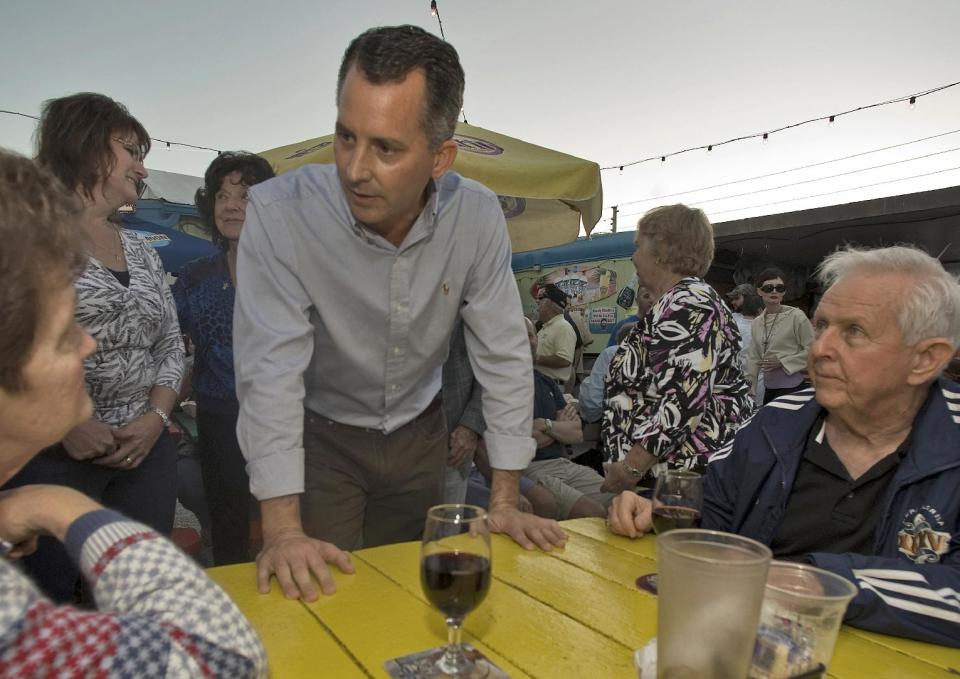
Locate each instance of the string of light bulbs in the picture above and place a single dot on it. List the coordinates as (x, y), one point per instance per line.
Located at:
(167, 142)
(765, 136)
(783, 172)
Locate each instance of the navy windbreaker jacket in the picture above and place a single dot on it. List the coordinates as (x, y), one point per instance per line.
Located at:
(910, 585)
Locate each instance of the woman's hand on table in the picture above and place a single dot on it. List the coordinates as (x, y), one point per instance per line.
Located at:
(89, 439)
(618, 478)
(630, 515)
(134, 441)
(527, 530)
(299, 563)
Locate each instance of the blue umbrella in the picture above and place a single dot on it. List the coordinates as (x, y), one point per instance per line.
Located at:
(175, 248)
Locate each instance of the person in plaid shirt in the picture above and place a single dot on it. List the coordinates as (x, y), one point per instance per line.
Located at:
(157, 614)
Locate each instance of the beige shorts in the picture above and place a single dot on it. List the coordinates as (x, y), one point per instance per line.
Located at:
(568, 482)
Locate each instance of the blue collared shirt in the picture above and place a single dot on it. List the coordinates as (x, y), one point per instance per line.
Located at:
(331, 316)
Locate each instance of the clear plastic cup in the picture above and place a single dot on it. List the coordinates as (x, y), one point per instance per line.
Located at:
(803, 608)
(710, 589)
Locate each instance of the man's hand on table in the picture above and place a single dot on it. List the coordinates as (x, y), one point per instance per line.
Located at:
(299, 563)
(630, 515)
(527, 530)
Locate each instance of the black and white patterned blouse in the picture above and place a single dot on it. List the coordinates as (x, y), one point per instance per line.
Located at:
(138, 336)
(675, 385)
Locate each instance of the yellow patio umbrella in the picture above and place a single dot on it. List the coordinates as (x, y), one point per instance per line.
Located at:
(544, 193)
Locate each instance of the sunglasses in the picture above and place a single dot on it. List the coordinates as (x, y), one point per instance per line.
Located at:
(773, 288)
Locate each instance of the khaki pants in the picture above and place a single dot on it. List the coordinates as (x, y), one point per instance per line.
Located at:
(568, 482)
(364, 488)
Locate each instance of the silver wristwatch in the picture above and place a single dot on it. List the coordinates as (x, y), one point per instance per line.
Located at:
(159, 411)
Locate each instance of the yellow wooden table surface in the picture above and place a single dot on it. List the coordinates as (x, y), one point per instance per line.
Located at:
(571, 613)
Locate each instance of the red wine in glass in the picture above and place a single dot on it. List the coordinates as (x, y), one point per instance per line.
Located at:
(455, 573)
(677, 500)
(668, 518)
(455, 582)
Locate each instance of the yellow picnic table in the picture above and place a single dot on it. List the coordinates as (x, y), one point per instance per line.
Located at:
(570, 613)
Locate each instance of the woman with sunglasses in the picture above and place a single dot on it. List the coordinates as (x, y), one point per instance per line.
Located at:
(122, 455)
(781, 337)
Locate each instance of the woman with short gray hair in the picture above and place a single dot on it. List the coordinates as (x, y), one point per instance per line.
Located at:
(675, 393)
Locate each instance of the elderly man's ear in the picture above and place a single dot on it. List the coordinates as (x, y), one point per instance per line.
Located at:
(930, 357)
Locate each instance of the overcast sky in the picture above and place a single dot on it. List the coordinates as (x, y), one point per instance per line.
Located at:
(605, 80)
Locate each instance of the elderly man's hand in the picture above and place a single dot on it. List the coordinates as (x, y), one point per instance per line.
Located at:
(528, 530)
(630, 515)
(299, 563)
(463, 444)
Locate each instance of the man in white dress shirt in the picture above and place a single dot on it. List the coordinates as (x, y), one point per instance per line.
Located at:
(350, 281)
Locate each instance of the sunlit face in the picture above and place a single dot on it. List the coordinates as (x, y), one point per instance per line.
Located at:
(382, 152)
(230, 206)
(858, 356)
(122, 185)
(54, 398)
(772, 291)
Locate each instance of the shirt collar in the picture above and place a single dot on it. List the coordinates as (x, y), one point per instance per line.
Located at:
(423, 227)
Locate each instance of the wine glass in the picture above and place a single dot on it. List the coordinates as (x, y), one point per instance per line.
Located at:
(455, 572)
(677, 500)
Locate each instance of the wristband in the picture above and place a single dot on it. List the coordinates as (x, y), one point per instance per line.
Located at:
(633, 470)
(159, 411)
(549, 426)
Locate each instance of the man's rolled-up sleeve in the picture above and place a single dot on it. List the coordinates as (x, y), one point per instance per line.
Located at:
(273, 344)
(498, 348)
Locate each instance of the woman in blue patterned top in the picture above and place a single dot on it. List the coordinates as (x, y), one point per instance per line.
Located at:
(204, 293)
(122, 456)
(675, 393)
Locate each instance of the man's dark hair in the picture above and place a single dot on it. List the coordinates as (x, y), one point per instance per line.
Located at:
(74, 135)
(252, 168)
(769, 274)
(389, 53)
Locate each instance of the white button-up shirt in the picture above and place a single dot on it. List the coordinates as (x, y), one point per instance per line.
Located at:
(331, 316)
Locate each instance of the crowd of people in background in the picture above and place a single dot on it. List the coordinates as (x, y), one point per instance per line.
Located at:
(346, 410)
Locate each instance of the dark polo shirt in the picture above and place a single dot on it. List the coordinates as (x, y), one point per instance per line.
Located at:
(827, 510)
(547, 400)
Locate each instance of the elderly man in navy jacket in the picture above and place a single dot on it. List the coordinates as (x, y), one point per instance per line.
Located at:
(859, 475)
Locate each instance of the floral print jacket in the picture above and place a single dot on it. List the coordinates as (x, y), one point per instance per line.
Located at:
(675, 385)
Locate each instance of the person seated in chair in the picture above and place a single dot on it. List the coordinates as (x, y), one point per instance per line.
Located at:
(859, 474)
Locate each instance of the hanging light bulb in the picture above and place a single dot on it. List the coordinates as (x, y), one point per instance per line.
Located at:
(663, 159)
(433, 7)
(621, 170)
(831, 120)
(766, 137)
(710, 148)
(913, 103)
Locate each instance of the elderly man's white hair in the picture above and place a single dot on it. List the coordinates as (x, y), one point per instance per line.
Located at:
(930, 307)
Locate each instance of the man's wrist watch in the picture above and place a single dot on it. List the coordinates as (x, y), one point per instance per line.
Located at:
(159, 411)
(633, 470)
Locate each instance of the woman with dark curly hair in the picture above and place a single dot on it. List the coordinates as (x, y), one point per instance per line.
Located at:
(204, 293)
(122, 456)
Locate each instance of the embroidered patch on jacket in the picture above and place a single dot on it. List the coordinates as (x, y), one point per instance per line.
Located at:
(918, 538)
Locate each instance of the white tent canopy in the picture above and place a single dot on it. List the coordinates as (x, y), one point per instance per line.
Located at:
(171, 187)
